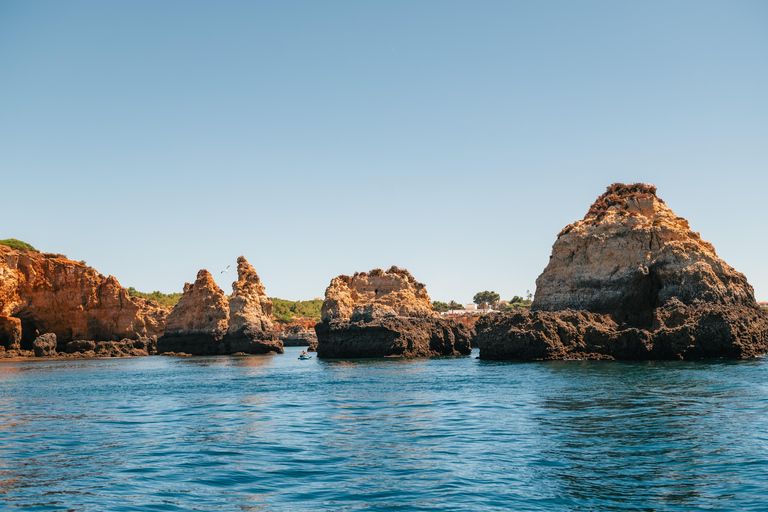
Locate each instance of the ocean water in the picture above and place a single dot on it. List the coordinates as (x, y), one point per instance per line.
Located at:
(277, 433)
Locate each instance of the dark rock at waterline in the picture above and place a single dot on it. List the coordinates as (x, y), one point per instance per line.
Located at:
(392, 336)
(385, 314)
(298, 336)
(679, 331)
(45, 345)
(81, 346)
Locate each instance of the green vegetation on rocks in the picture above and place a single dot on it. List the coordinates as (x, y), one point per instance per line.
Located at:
(18, 244)
(440, 307)
(285, 310)
(164, 299)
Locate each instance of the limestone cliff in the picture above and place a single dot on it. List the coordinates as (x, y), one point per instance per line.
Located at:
(383, 314)
(47, 293)
(632, 254)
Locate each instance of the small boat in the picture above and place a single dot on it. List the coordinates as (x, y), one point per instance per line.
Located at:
(305, 357)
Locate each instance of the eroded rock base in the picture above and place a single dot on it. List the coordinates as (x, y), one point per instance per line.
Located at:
(392, 337)
(209, 345)
(697, 331)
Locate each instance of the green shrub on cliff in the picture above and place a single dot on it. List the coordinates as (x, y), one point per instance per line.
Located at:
(164, 299)
(301, 308)
(18, 244)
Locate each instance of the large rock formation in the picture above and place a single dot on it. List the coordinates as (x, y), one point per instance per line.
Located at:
(394, 289)
(631, 281)
(631, 254)
(382, 314)
(199, 321)
(47, 293)
(250, 315)
(206, 322)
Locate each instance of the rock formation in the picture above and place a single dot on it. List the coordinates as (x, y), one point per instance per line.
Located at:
(47, 293)
(394, 289)
(206, 322)
(382, 314)
(631, 281)
(44, 345)
(298, 334)
(250, 315)
(631, 253)
(199, 321)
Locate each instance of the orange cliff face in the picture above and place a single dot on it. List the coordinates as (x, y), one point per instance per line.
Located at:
(48, 293)
(207, 322)
(390, 293)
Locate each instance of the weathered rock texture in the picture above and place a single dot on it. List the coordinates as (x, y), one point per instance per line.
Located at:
(250, 315)
(631, 254)
(679, 332)
(48, 293)
(44, 345)
(206, 322)
(383, 314)
(395, 289)
(631, 281)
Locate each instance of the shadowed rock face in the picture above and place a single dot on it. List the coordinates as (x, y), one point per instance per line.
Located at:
(383, 314)
(631, 281)
(392, 336)
(680, 331)
(631, 254)
(48, 293)
(207, 322)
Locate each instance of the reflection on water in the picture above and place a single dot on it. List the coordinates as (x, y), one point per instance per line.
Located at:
(276, 433)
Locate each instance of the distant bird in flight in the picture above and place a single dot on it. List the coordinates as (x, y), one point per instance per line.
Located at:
(226, 269)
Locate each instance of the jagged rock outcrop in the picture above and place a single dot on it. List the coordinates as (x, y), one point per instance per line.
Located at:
(250, 315)
(680, 331)
(206, 322)
(44, 345)
(383, 314)
(631, 281)
(199, 321)
(48, 293)
(631, 254)
(395, 289)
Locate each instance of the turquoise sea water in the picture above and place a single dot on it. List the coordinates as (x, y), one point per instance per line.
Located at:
(276, 433)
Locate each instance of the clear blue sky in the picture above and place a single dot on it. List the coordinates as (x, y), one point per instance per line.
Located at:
(454, 139)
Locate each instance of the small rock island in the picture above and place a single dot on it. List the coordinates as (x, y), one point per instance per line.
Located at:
(631, 281)
(385, 314)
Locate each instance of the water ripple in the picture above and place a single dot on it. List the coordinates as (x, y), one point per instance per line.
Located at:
(275, 433)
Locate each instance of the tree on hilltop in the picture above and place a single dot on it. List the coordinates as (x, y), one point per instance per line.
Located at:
(440, 307)
(486, 297)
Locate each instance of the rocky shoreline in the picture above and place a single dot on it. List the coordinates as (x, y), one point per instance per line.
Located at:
(630, 281)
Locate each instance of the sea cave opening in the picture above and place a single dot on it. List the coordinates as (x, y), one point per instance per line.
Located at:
(30, 329)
